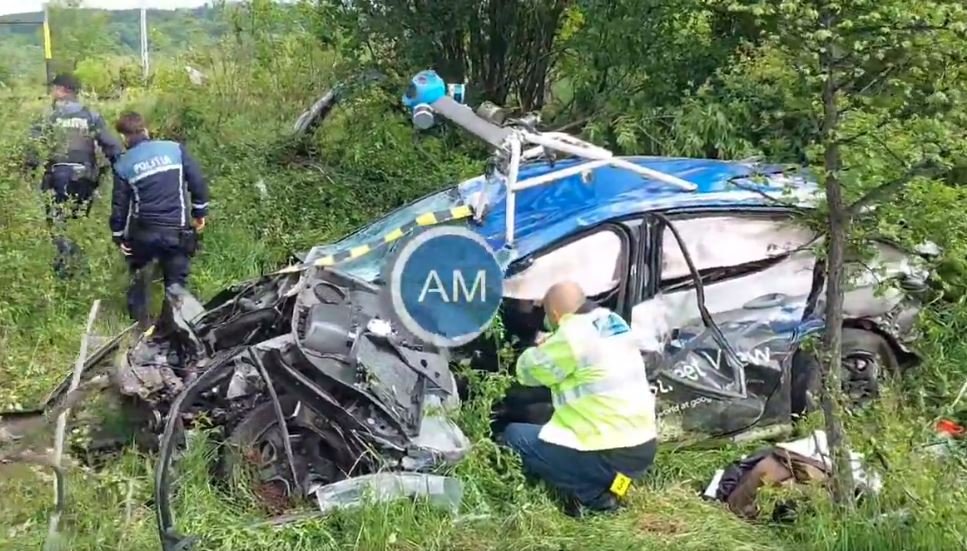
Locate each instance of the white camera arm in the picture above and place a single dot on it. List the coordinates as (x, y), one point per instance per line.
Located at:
(510, 143)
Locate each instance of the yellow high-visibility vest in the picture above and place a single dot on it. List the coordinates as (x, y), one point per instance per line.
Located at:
(594, 369)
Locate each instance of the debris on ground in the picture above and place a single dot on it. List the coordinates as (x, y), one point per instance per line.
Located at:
(441, 491)
(787, 464)
(948, 434)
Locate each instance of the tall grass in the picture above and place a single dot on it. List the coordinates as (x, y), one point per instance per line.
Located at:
(269, 200)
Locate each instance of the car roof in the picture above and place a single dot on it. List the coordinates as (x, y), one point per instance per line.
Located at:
(546, 213)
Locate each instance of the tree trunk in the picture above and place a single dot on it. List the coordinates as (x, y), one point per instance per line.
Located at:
(831, 389)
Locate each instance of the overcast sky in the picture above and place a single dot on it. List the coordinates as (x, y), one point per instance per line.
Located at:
(25, 6)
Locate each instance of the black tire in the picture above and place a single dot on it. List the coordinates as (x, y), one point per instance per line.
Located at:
(867, 359)
(256, 443)
(246, 435)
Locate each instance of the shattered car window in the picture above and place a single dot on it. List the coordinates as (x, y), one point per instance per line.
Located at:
(750, 239)
(368, 267)
(570, 262)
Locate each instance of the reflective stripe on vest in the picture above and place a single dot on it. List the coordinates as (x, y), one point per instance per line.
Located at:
(549, 366)
(608, 367)
(565, 397)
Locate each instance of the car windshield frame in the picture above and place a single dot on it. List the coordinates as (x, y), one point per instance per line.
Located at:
(369, 266)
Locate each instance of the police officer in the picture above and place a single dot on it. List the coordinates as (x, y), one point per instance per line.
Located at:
(159, 203)
(69, 135)
(72, 132)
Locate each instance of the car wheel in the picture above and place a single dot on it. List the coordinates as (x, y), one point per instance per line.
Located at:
(867, 359)
(256, 447)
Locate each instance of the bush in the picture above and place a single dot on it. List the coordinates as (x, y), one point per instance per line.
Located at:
(108, 76)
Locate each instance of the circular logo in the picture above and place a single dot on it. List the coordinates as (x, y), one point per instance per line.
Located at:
(446, 286)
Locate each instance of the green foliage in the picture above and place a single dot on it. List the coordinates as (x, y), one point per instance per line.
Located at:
(689, 77)
(79, 34)
(504, 49)
(108, 75)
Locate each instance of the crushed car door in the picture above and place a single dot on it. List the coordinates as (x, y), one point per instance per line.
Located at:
(719, 318)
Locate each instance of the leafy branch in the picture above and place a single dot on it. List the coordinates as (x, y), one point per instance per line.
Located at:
(928, 169)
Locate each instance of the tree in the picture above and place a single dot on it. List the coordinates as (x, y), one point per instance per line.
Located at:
(627, 55)
(78, 33)
(502, 47)
(885, 82)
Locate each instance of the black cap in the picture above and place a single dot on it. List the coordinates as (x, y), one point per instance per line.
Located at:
(67, 80)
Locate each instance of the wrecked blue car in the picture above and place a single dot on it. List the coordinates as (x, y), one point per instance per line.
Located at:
(313, 383)
(721, 284)
(710, 261)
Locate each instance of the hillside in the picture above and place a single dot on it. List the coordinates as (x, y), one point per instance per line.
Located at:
(79, 33)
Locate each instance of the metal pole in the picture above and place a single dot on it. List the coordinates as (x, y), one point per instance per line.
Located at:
(144, 41)
(47, 49)
(512, 172)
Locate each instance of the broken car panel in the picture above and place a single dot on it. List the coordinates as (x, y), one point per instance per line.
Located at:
(312, 383)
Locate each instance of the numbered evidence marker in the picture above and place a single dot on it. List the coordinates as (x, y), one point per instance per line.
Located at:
(446, 286)
(620, 485)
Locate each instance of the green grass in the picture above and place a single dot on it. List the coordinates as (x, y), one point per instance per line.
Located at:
(923, 504)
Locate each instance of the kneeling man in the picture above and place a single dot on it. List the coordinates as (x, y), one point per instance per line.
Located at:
(603, 430)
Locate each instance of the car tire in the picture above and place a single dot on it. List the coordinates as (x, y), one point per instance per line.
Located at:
(867, 359)
(256, 443)
(246, 438)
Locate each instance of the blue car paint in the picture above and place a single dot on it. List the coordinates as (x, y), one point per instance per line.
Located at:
(548, 213)
(551, 212)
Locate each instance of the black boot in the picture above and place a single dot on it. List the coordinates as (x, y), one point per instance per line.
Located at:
(606, 503)
(139, 298)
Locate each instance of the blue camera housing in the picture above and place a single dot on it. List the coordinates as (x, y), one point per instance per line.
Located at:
(426, 87)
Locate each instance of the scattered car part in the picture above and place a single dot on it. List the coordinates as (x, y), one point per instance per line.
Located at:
(802, 461)
(317, 113)
(442, 491)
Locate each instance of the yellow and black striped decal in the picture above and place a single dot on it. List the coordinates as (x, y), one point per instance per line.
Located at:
(421, 221)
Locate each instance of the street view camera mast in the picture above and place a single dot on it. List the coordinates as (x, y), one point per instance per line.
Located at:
(427, 96)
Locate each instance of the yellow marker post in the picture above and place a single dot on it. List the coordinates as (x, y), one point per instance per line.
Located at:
(48, 51)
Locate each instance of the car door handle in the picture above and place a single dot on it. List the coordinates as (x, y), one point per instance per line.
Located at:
(766, 301)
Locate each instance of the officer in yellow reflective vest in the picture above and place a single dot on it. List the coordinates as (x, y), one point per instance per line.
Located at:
(603, 430)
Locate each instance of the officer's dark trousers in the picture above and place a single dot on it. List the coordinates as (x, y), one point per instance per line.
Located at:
(69, 196)
(165, 245)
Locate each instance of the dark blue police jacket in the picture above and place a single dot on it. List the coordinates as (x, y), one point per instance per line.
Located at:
(72, 130)
(152, 183)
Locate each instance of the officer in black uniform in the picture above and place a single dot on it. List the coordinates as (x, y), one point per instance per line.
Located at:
(159, 203)
(68, 137)
(71, 133)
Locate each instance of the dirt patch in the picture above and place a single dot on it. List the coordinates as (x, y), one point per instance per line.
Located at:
(273, 498)
(660, 524)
